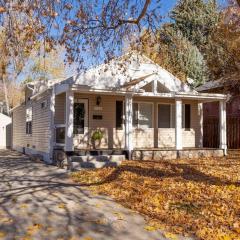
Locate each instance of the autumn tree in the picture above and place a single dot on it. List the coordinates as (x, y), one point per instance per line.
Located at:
(224, 58)
(46, 65)
(87, 29)
(90, 31)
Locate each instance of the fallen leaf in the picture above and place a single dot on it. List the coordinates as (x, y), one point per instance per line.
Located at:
(2, 234)
(23, 205)
(119, 215)
(33, 229)
(62, 205)
(88, 238)
(170, 236)
(150, 228)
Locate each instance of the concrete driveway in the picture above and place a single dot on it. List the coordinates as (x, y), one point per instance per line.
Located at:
(38, 201)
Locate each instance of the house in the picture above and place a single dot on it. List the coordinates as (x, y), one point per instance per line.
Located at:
(5, 131)
(231, 87)
(134, 104)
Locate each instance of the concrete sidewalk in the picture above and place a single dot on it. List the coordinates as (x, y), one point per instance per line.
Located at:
(38, 201)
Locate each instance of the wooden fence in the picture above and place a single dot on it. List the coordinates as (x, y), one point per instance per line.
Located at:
(211, 132)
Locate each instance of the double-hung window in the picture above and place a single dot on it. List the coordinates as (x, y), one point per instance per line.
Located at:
(29, 120)
(142, 115)
(166, 116)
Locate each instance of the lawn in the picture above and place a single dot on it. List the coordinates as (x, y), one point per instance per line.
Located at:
(191, 197)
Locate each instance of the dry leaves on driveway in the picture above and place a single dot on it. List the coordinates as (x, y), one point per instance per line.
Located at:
(191, 197)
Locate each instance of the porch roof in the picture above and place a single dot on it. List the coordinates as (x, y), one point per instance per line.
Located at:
(174, 95)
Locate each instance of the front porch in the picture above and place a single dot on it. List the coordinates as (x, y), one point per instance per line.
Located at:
(140, 126)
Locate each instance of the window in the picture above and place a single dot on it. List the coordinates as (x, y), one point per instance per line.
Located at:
(166, 116)
(60, 135)
(186, 116)
(142, 115)
(79, 115)
(44, 104)
(135, 115)
(119, 115)
(29, 120)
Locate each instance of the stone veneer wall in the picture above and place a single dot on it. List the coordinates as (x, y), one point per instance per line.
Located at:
(173, 154)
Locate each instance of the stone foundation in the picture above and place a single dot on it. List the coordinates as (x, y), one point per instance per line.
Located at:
(174, 154)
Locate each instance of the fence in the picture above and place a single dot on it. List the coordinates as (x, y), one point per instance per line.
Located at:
(211, 132)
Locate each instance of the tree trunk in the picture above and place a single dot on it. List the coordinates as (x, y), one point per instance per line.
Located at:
(5, 93)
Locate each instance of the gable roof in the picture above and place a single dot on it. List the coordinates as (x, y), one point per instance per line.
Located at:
(127, 71)
(227, 80)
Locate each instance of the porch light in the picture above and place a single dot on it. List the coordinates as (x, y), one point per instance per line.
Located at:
(98, 100)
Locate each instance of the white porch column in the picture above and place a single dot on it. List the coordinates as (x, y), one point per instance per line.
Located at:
(200, 117)
(69, 121)
(178, 127)
(128, 123)
(223, 126)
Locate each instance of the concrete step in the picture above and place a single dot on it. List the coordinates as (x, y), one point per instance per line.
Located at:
(99, 152)
(80, 162)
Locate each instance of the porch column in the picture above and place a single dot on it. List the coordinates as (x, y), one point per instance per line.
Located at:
(223, 126)
(52, 109)
(69, 121)
(178, 127)
(200, 117)
(128, 123)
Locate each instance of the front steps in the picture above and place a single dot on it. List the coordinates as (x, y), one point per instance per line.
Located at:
(98, 161)
(80, 159)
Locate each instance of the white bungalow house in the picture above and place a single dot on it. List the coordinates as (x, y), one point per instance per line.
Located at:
(131, 104)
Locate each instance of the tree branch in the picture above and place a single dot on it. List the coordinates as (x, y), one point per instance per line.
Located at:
(141, 15)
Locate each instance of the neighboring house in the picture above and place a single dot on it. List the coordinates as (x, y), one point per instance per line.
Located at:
(231, 87)
(5, 131)
(137, 106)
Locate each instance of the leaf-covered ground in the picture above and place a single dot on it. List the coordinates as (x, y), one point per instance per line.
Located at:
(194, 197)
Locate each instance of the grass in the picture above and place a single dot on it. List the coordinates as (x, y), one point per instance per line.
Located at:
(191, 197)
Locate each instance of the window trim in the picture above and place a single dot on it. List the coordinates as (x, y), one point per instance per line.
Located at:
(152, 107)
(172, 105)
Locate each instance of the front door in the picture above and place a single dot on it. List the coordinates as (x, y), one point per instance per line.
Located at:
(80, 116)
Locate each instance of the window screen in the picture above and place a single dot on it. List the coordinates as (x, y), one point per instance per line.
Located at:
(164, 116)
(119, 114)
